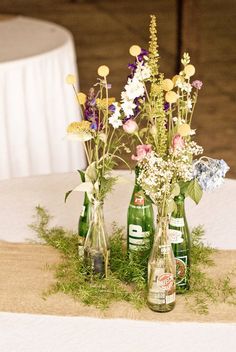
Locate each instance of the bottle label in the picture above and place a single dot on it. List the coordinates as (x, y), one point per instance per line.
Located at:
(177, 222)
(181, 270)
(82, 211)
(162, 289)
(138, 199)
(175, 236)
(136, 231)
(136, 236)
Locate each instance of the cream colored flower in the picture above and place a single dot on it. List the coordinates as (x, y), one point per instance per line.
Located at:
(70, 79)
(189, 70)
(103, 71)
(82, 98)
(184, 130)
(134, 50)
(171, 97)
(167, 84)
(79, 131)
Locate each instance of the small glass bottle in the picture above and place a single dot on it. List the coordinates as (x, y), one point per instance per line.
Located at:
(181, 244)
(96, 246)
(161, 271)
(140, 218)
(84, 220)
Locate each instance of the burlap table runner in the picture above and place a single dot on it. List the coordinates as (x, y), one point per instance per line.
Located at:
(24, 275)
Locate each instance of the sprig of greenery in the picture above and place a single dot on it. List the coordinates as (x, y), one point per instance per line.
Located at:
(127, 280)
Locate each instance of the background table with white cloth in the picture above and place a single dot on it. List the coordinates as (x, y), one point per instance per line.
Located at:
(27, 332)
(36, 104)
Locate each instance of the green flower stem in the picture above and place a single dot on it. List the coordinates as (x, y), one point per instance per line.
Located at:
(76, 95)
(194, 104)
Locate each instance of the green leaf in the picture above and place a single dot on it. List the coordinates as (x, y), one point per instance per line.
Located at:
(175, 190)
(184, 186)
(84, 187)
(91, 172)
(82, 175)
(171, 206)
(194, 191)
(67, 195)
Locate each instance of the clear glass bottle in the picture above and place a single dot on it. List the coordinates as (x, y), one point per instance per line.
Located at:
(161, 271)
(181, 244)
(84, 221)
(96, 246)
(140, 218)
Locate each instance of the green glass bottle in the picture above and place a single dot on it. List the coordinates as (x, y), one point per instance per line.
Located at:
(181, 244)
(140, 218)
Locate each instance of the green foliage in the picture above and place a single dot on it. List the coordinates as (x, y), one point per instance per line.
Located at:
(128, 274)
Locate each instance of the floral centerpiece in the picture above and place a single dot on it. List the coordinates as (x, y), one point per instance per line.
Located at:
(98, 131)
(159, 112)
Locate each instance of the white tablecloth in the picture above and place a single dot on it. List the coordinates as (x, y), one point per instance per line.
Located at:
(37, 333)
(35, 102)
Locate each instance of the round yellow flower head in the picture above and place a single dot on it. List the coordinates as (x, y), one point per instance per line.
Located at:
(103, 71)
(177, 78)
(79, 130)
(189, 70)
(184, 130)
(171, 97)
(167, 84)
(70, 79)
(135, 50)
(82, 98)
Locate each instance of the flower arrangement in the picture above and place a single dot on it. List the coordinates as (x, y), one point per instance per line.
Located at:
(165, 107)
(98, 131)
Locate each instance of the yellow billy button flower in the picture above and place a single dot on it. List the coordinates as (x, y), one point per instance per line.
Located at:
(171, 97)
(81, 98)
(184, 130)
(79, 131)
(167, 84)
(135, 50)
(70, 79)
(189, 70)
(103, 71)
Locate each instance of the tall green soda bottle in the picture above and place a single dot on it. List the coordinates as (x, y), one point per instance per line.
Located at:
(140, 218)
(84, 220)
(181, 244)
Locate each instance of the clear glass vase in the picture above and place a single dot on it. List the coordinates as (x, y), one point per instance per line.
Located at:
(96, 246)
(161, 271)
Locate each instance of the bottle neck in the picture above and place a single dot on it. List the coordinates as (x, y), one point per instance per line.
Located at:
(180, 210)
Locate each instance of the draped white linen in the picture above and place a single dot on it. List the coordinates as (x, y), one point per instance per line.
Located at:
(35, 102)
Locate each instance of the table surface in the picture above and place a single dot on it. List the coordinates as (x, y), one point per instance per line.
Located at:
(26, 332)
(23, 37)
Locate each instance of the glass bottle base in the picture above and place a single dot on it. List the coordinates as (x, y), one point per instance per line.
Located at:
(161, 308)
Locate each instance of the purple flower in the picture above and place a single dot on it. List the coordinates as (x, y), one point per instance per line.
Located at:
(166, 106)
(197, 84)
(143, 53)
(112, 108)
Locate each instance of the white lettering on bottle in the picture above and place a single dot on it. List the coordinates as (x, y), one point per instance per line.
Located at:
(136, 231)
(177, 222)
(175, 236)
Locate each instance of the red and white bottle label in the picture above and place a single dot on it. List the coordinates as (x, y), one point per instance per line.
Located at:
(138, 199)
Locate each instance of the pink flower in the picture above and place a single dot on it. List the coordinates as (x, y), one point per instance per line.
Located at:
(177, 143)
(141, 150)
(130, 126)
(197, 84)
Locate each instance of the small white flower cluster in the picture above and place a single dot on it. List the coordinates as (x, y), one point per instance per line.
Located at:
(134, 88)
(155, 177)
(114, 119)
